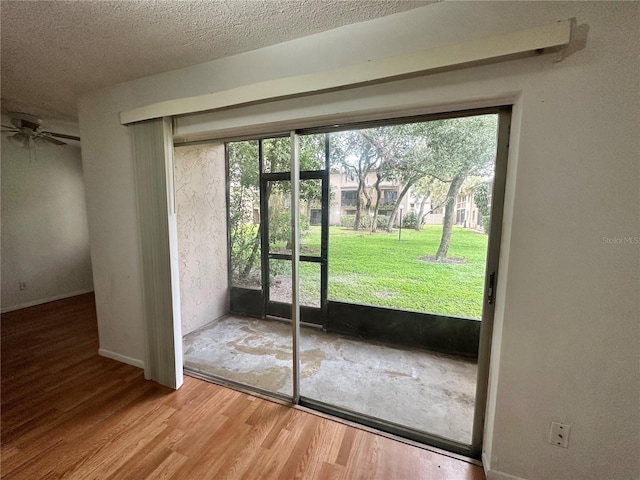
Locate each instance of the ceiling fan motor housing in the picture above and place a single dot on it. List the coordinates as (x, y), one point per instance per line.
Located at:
(26, 129)
(24, 120)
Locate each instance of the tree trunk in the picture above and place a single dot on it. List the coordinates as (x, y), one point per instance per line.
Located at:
(449, 212)
(362, 182)
(418, 226)
(356, 223)
(367, 197)
(363, 169)
(403, 192)
(252, 258)
(374, 220)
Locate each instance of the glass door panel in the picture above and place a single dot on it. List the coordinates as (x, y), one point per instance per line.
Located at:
(244, 214)
(310, 284)
(312, 152)
(239, 348)
(310, 218)
(276, 155)
(280, 280)
(277, 193)
(278, 202)
(408, 243)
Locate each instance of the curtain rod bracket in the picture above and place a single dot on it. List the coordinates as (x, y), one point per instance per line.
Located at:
(563, 53)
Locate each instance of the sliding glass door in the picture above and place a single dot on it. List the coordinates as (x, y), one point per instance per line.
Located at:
(247, 350)
(408, 255)
(363, 283)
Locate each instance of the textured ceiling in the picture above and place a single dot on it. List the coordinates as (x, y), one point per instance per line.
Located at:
(53, 51)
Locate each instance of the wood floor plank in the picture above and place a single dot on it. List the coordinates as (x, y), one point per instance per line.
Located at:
(270, 461)
(331, 471)
(329, 437)
(345, 447)
(301, 452)
(262, 421)
(110, 456)
(169, 467)
(68, 413)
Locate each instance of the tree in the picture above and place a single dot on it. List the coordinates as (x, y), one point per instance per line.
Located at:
(353, 153)
(312, 157)
(412, 160)
(462, 146)
(389, 146)
(481, 198)
(277, 158)
(428, 189)
(444, 152)
(449, 210)
(244, 196)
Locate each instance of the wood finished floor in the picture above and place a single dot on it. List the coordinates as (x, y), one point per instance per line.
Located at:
(68, 413)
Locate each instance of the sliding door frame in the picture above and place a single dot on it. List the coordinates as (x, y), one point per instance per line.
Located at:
(504, 112)
(474, 449)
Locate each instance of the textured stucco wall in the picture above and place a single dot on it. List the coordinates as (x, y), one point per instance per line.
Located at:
(202, 234)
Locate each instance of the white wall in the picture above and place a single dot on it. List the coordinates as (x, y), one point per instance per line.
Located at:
(45, 238)
(202, 233)
(566, 344)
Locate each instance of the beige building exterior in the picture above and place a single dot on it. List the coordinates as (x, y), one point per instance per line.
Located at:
(344, 187)
(344, 192)
(468, 215)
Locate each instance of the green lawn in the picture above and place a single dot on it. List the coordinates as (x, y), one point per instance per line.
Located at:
(377, 269)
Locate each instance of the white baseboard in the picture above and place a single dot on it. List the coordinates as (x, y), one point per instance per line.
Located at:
(33, 303)
(495, 475)
(121, 358)
(485, 464)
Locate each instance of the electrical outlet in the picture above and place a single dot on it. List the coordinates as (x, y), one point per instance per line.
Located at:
(23, 285)
(559, 434)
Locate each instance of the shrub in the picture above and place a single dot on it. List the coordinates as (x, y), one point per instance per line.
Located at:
(382, 222)
(486, 223)
(280, 225)
(348, 221)
(410, 220)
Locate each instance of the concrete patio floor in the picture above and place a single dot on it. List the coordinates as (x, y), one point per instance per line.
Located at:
(431, 392)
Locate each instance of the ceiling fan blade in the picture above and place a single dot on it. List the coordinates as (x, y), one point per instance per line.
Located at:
(9, 127)
(62, 135)
(50, 139)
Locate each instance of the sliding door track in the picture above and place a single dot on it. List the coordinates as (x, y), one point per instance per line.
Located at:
(389, 429)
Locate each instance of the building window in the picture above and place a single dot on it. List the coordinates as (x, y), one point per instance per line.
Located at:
(350, 176)
(389, 197)
(315, 216)
(349, 198)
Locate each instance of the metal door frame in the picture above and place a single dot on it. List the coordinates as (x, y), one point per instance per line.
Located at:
(474, 449)
(278, 309)
(504, 112)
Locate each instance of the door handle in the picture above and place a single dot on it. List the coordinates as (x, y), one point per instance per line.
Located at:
(491, 289)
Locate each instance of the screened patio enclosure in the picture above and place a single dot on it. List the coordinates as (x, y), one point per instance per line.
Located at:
(359, 269)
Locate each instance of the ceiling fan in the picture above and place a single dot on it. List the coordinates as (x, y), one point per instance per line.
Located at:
(26, 132)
